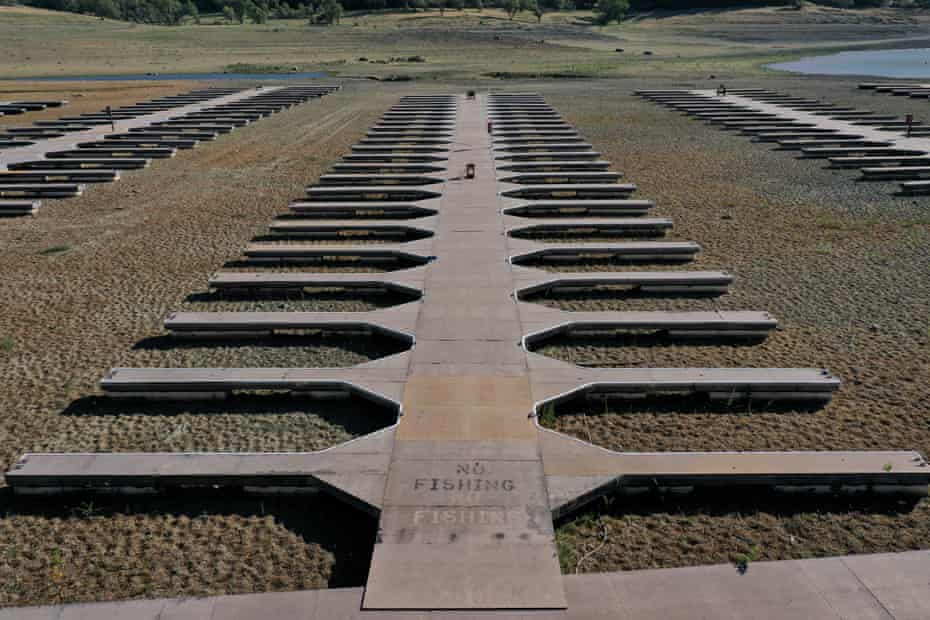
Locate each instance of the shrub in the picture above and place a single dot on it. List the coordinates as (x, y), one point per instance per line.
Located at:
(611, 10)
(331, 11)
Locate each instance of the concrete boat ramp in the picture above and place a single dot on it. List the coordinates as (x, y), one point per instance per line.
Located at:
(884, 148)
(466, 485)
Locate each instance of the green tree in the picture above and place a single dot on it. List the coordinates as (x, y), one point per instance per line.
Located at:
(611, 10)
(534, 7)
(168, 12)
(331, 11)
(107, 8)
(229, 14)
(512, 7)
(457, 5)
(256, 13)
(239, 9)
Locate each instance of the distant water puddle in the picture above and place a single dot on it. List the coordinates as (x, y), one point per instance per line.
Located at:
(172, 77)
(901, 63)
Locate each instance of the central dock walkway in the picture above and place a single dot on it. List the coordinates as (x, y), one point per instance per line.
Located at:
(466, 508)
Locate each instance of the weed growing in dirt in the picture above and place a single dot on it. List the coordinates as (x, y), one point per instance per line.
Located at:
(87, 509)
(830, 223)
(546, 415)
(743, 561)
(55, 249)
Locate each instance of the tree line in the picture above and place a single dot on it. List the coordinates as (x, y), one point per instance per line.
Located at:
(173, 12)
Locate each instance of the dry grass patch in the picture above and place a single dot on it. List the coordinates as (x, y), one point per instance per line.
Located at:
(92, 548)
(644, 532)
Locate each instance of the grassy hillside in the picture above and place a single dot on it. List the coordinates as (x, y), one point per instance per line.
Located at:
(459, 44)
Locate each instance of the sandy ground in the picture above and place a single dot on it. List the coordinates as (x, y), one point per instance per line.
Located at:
(841, 264)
